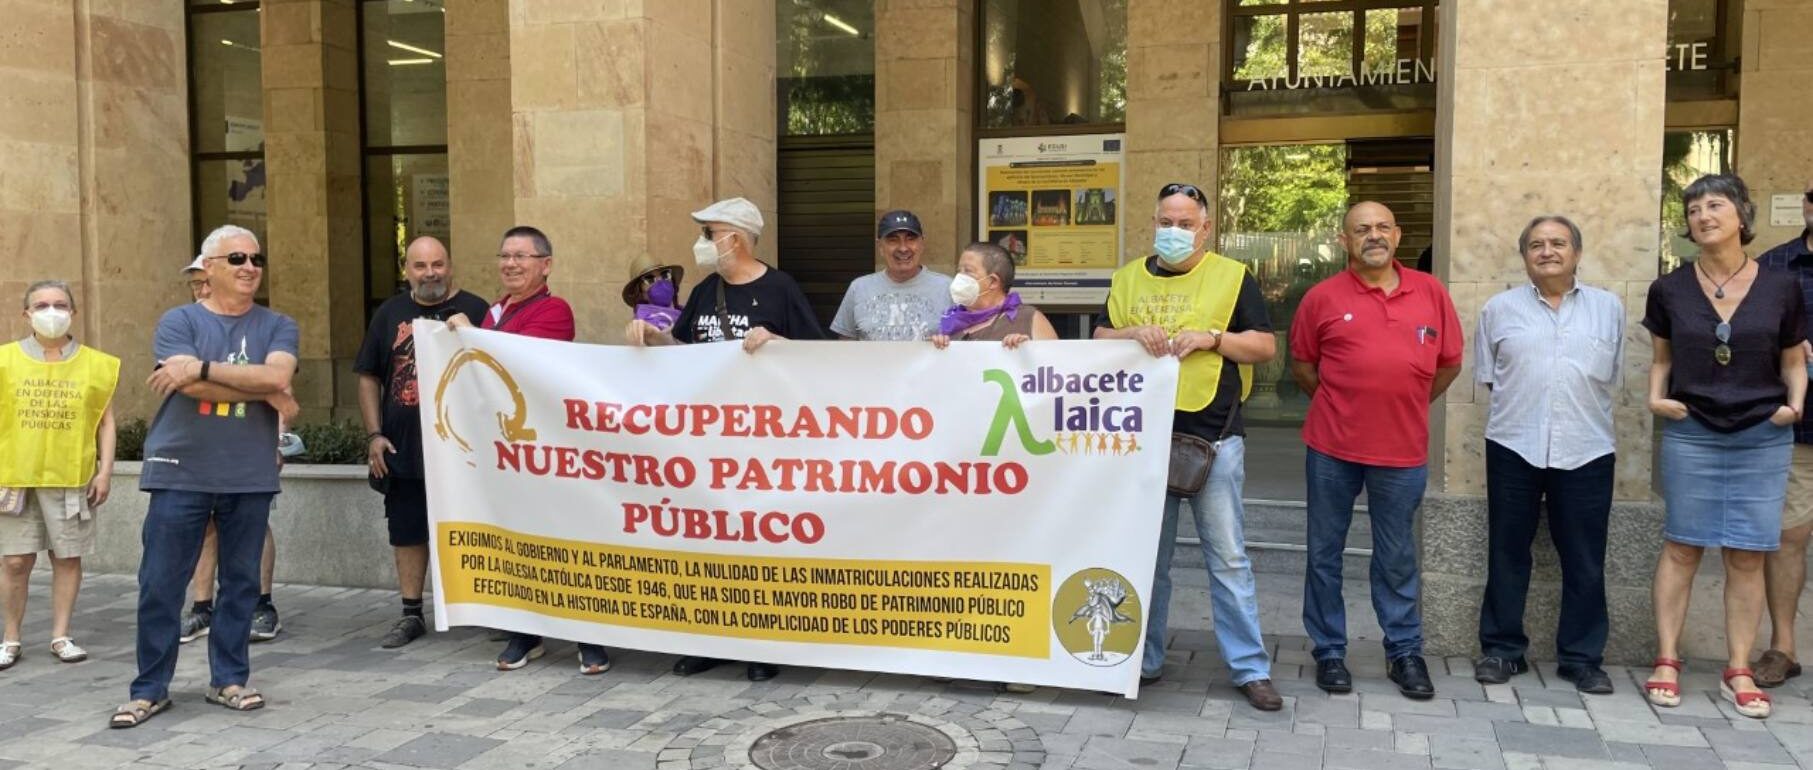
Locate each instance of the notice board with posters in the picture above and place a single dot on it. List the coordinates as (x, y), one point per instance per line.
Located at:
(1053, 202)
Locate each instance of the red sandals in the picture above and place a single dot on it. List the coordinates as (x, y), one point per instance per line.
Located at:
(1755, 705)
(1660, 693)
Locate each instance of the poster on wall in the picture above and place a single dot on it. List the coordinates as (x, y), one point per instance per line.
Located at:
(1053, 203)
(428, 199)
(245, 177)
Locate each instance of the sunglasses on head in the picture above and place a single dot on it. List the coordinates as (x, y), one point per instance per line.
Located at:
(239, 258)
(1190, 190)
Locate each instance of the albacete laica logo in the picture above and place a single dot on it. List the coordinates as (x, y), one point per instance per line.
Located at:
(513, 425)
(1084, 419)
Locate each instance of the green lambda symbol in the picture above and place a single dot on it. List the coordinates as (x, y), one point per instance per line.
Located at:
(1010, 411)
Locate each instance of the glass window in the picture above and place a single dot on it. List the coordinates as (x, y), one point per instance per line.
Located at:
(824, 67)
(1686, 156)
(1702, 49)
(406, 197)
(226, 108)
(1053, 63)
(405, 74)
(1311, 56)
(404, 98)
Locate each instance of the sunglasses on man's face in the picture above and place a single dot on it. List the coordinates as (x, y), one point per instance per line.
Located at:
(238, 259)
(1190, 190)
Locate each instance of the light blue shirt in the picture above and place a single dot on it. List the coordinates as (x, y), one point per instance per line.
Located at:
(1553, 373)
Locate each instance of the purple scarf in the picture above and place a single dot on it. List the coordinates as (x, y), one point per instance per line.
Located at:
(959, 317)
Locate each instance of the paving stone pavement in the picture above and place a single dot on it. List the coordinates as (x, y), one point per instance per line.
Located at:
(338, 701)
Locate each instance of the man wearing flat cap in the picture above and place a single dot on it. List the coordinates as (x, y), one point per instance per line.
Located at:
(903, 301)
(743, 298)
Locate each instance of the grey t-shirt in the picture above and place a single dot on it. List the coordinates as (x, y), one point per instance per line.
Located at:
(200, 446)
(878, 308)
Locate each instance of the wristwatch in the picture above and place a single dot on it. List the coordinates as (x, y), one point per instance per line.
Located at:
(1216, 333)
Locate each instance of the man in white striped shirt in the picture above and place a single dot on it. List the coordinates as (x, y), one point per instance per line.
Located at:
(1549, 353)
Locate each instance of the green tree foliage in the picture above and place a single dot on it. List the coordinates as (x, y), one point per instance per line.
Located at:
(1284, 188)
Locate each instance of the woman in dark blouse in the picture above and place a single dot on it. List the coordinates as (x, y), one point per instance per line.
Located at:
(1728, 379)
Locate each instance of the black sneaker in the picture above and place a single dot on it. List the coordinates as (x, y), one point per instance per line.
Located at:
(521, 649)
(695, 664)
(1332, 676)
(196, 625)
(265, 624)
(1147, 680)
(407, 629)
(762, 672)
(1588, 679)
(593, 660)
(1492, 669)
(1412, 677)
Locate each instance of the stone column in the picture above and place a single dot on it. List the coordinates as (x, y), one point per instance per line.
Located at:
(1576, 131)
(94, 139)
(480, 170)
(1173, 113)
(925, 96)
(623, 121)
(315, 234)
(1774, 152)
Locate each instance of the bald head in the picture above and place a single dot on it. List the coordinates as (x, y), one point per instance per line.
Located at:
(1370, 234)
(429, 270)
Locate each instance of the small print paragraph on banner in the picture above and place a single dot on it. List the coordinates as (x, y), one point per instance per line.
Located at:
(972, 512)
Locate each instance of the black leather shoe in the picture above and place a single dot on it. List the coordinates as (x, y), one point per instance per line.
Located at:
(762, 672)
(1588, 679)
(1146, 680)
(693, 664)
(1332, 676)
(1492, 669)
(1412, 677)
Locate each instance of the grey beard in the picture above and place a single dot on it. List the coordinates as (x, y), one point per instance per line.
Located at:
(430, 292)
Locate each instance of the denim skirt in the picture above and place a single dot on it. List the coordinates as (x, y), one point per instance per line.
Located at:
(1725, 490)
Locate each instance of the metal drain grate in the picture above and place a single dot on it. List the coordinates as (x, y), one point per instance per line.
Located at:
(871, 742)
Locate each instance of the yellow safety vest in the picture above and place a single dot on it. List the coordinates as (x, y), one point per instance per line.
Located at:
(1199, 300)
(49, 411)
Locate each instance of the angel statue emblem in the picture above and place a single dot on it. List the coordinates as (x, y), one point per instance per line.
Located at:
(1101, 609)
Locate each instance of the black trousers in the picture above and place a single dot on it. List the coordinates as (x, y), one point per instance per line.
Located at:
(1579, 503)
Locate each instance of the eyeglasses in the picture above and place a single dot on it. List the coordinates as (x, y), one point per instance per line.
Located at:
(520, 257)
(197, 284)
(1722, 353)
(1187, 189)
(238, 258)
(664, 274)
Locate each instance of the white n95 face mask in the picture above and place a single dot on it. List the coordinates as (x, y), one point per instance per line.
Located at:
(50, 322)
(965, 289)
(705, 252)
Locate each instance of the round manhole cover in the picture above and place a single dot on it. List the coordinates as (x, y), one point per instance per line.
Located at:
(874, 742)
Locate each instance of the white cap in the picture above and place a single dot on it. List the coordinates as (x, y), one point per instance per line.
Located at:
(200, 263)
(736, 212)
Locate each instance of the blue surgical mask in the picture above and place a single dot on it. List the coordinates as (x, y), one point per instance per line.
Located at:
(1174, 244)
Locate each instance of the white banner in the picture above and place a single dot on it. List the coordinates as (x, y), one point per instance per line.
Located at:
(973, 512)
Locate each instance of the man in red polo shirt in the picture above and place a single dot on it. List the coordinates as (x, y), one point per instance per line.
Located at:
(524, 260)
(1372, 346)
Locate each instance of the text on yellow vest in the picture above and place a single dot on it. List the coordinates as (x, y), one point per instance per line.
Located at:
(1199, 300)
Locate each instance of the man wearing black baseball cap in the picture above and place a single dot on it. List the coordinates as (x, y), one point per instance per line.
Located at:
(904, 300)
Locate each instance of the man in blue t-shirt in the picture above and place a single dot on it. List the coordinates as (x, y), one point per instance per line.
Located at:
(224, 367)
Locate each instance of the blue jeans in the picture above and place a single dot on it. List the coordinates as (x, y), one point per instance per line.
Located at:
(1392, 497)
(1219, 515)
(172, 540)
